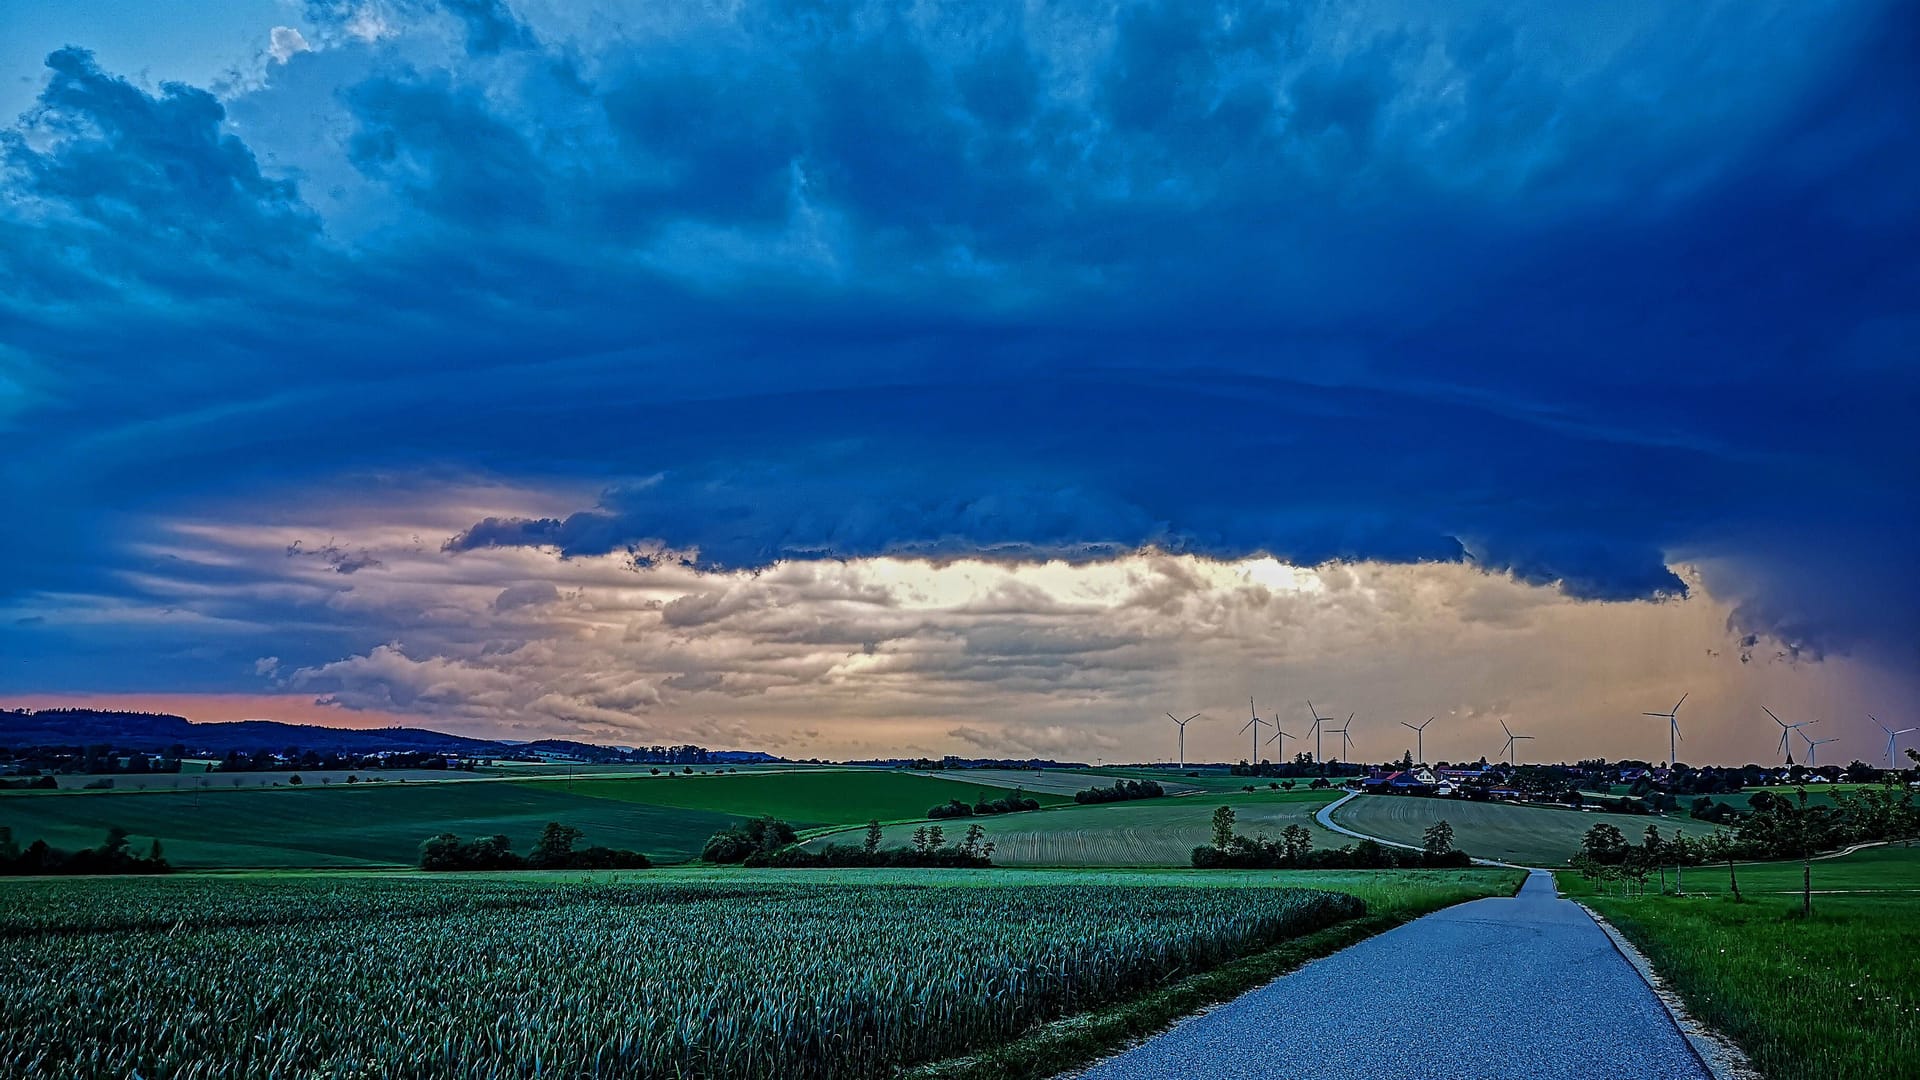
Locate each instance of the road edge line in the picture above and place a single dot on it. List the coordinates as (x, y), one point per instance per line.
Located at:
(1720, 1056)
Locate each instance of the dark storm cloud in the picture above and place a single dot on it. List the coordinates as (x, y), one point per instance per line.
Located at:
(835, 282)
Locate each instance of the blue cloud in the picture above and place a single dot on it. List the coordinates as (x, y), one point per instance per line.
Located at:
(1565, 301)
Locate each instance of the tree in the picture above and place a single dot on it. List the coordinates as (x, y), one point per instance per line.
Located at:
(295, 780)
(555, 846)
(1223, 827)
(920, 839)
(1604, 844)
(1653, 851)
(1720, 846)
(873, 837)
(970, 844)
(1438, 839)
(936, 838)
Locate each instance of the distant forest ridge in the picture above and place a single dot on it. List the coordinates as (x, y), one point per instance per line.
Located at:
(159, 732)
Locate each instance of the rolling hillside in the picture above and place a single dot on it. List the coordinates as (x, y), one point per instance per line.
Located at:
(1530, 836)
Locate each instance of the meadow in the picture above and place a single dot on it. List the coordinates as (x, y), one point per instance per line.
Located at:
(805, 799)
(813, 975)
(383, 824)
(1149, 832)
(1832, 997)
(1526, 835)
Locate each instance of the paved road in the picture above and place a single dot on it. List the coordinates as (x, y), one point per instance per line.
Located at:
(1520, 987)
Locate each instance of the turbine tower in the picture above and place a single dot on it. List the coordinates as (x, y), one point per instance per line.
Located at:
(1346, 740)
(1183, 736)
(1420, 737)
(1319, 728)
(1672, 716)
(1786, 729)
(1891, 735)
(1255, 724)
(1813, 748)
(1507, 752)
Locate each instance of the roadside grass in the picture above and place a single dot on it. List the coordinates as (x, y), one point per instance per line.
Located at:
(1527, 835)
(1833, 997)
(1393, 898)
(806, 799)
(1146, 832)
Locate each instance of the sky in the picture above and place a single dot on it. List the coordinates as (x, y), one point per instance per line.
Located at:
(861, 380)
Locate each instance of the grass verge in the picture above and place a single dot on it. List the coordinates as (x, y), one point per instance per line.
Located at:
(1076, 1041)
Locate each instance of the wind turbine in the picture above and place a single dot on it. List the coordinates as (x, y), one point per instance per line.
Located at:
(1183, 736)
(1319, 727)
(1813, 748)
(1672, 716)
(1786, 729)
(1346, 740)
(1420, 737)
(1255, 724)
(1507, 752)
(1281, 737)
(1891, 735)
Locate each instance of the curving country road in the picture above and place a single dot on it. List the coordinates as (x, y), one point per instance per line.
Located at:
(1525, 986)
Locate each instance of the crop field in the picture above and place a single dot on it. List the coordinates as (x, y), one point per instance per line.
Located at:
(1834, 997)
(1062, 781)
(1530, 836)
(208, 781)
(1147, 832)
(366, 824)
(1209, 779)
(420, 976)
(806, 799)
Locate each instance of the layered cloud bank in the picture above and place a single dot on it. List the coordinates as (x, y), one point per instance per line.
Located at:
(480, 309)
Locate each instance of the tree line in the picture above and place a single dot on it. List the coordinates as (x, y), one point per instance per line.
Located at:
(1293, 850)
(770, 842)
(1121, 791)
(983, 806)
(113, 856)
(554, 850)
(1778, 828)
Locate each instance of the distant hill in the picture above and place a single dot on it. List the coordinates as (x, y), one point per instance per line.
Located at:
(156, 732)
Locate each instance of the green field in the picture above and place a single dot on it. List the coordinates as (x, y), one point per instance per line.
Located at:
(1529, 836)
(1147, 832)
(643, 975)
(383, 824)
(1065, 781)
(367, 824)
(1209, 779)
(1834, 997)
(806, 799)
